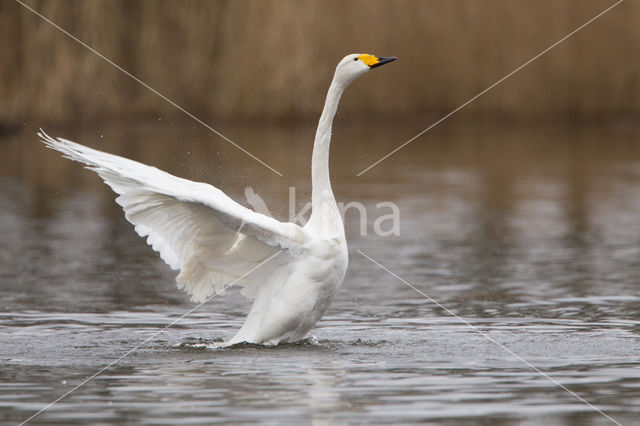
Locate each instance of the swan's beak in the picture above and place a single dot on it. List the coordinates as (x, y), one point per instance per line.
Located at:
(373, 61)
(382, 61)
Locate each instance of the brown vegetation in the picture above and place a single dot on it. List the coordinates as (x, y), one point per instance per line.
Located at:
(247, 60)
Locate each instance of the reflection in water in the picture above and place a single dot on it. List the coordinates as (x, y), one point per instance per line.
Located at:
(531, 234)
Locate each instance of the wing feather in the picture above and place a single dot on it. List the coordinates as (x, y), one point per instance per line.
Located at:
(195, 227)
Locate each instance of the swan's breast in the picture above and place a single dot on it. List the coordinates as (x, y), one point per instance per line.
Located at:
(326, 261)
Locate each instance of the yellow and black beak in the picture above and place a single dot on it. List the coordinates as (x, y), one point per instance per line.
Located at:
(382, 61)
(374, 61)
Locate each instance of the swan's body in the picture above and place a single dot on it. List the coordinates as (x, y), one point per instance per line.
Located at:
(214, 241)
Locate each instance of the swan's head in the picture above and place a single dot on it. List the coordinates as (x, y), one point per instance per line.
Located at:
(354, 65)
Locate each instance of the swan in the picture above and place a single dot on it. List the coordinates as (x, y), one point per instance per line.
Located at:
(291, 272)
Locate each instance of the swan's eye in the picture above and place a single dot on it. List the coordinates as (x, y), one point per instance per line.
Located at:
(355, 59)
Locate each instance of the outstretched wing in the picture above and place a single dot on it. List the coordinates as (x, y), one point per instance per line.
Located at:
(195, 227)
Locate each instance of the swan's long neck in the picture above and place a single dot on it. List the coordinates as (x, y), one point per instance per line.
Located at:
(322, 200)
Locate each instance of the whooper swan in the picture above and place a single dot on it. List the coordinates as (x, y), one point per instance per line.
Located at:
(213, 241)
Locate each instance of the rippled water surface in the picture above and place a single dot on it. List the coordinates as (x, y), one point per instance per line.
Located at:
(530, 235)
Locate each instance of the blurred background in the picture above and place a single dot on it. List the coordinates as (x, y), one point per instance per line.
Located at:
(521, 212)
(272, 60)
(258, 72)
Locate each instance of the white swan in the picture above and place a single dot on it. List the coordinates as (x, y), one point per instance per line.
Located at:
(213, 240)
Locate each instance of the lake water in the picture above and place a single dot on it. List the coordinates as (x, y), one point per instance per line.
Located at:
(531, 235)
